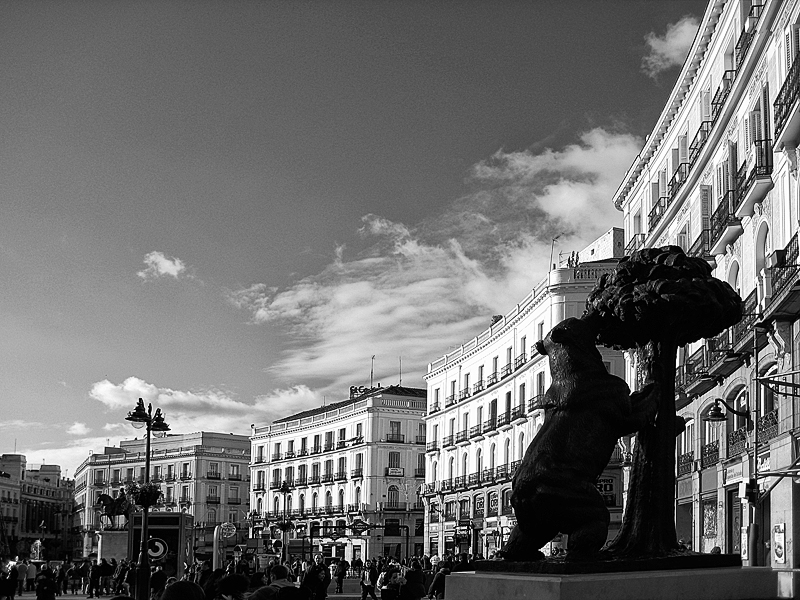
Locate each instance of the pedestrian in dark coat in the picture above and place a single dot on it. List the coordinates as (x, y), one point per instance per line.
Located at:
(317, 579)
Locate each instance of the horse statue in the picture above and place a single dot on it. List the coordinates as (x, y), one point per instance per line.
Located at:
(114, 507)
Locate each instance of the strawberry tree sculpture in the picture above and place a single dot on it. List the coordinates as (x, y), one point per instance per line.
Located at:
(655, 301)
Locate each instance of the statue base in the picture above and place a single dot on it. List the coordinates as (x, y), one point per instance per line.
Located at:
(559, 566)
(723, 583)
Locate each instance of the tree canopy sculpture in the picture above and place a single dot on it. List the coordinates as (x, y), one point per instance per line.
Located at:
(656, 300)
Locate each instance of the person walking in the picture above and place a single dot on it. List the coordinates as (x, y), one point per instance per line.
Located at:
(341, 572)
(369, 578)
(317, 579)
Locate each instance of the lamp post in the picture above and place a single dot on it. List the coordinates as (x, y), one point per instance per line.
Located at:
(285, 490)
(154, 423)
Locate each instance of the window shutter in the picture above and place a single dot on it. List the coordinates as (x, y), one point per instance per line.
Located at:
(683, 149)
(705, 107)
(662, 183)
(765, 110)
(789, 50)
(705, 206)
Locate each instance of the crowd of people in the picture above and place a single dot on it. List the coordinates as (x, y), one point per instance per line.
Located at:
(381, 577)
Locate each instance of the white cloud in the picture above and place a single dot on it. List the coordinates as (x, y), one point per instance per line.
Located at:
(418, 291)
(671, 49)
(160, 265)
(78, 429)
(202, 410)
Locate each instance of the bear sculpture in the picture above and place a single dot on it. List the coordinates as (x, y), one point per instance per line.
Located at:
(587, 410)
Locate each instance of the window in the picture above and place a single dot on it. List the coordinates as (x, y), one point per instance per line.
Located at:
(328, 467)
(290, 447)
(540, 330)
(213, 491)
(394, 460)
(213, 468)
(359, 431)
(342, 434)
(523, 345)
(521, 393)
(540, 389)
(393, 496)
(234, 470)
(304, 446)
(394, 429)
(212, 516)
(342, 464)
(494, 365)
(509, 351)
(359, 461)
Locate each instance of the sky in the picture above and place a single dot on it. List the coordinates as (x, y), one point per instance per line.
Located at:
(227, 208)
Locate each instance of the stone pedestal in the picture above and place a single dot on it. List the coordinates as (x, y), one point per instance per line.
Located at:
(728, 583)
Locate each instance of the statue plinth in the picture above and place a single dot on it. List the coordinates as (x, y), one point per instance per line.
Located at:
(722, 583)
(559, 566)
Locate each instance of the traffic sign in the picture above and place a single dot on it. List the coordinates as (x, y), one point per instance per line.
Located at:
(157, 548)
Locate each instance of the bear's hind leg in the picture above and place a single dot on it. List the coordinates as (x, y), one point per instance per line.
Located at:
(520, 547)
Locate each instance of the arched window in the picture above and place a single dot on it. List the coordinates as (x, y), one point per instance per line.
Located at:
(314, 501)
(767, 394)
(451, 472)
(288, 503)
(259, 505)
(341, 499)
(302, 503)
(212, 516)
(276, 506)
(507, 453)
(358, 497)
(491, 457)
(464, 463)
(435, 471)
(393, 496)
(479, 461)
(733, 278)
(521, 449)
(328, 499)
(763, 248)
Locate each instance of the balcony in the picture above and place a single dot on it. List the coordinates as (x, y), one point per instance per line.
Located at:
(490, 425)
(213, 475)
(685, 463)
(701, 248)
(725, 226)
(327, 478)
(518, 413)
(514, 466)
(450, 400)
(212, 499)
(446, 485)
(357, 473)
(477, 386)
(473, 479)
(449, 516)
(520, 360)
(657, 212)
(314, 480)
(475, 432)
(341, 444)
(460, 482)
(170, 478)
(421, 439)
(169, 501)
(419, 472)
(464, 394)
(462, 437)
(503, 419)
(328, 447)
(231, 477)
(740, 332)
(677, 180)
(695, 368)
(748, 34)
(487, 476)
(492, 379)
(722, 361)
(636, 242)
(785, 300)
(276, 456)
(758, 181)
(434, 408)
(316, 449)
(536, 403)
(737, 441)
(767, 426)
(302, 481)
(501, 473)
(259, 486)
(699, 141)
(428, 489)
(709, 454)
(722, 93)
(274, 484)
(289, 454)
(432, 446)
(396, 438)
(340, 476)
(184, 501)
(787, 115)
(505, 371)
(448, 440)
(99, 482)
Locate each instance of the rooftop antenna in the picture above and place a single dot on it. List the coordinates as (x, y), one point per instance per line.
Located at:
(323, 400)
(552, 246)
(401, 370)
(371, 371)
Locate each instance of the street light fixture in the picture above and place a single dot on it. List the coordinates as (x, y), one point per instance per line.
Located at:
(154, 423)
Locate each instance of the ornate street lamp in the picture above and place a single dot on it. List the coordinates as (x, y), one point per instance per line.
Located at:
(154, 424)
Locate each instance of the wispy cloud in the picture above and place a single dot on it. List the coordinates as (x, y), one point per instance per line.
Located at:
(669, 50)
(419, 290)
(78, 429)
(202, 410)
(161, 265)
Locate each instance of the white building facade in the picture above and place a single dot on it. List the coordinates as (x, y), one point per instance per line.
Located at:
(483, 412)
(718, 177)
(204, 474)
(359, 460)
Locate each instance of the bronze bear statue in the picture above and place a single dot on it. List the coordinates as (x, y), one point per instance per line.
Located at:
(586, 411)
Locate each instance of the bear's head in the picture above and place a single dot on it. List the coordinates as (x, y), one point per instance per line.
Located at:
(571, 342)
